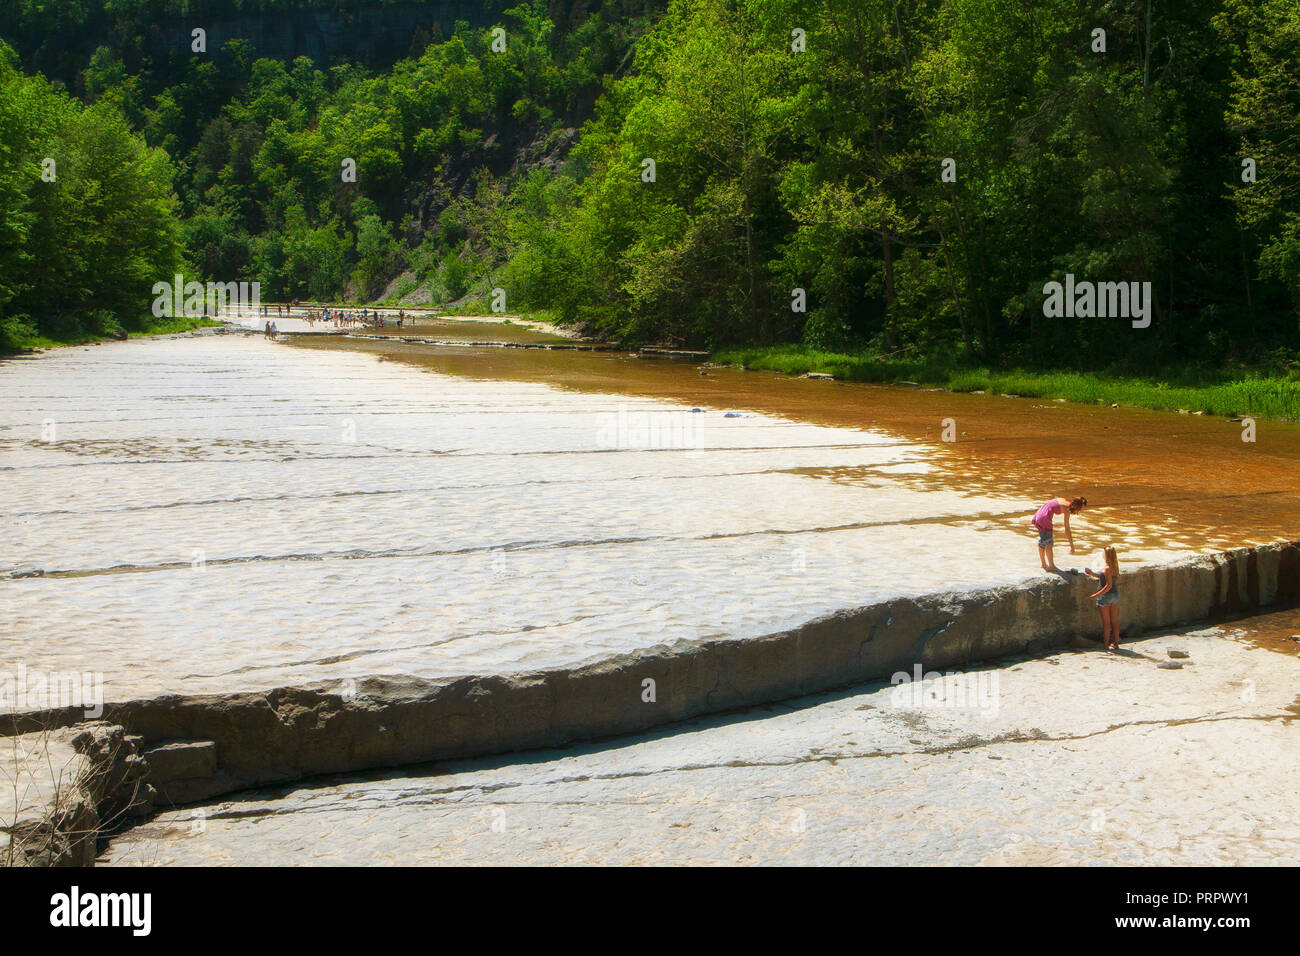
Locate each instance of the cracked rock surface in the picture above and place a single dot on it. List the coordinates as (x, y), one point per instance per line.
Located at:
(1082, 757)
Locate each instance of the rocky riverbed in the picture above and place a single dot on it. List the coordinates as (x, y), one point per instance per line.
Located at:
(1177, 750)
(221, 514)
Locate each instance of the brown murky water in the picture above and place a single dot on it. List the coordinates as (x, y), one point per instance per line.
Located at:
(1156, 479)
(1277, 631)
(454, 329)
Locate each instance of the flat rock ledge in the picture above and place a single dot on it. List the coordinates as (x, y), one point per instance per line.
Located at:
(174, 750)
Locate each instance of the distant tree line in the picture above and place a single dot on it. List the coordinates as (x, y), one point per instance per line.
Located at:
(802, 145)
(902, 176)
(88, 219)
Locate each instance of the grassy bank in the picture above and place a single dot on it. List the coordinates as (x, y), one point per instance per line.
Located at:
(1262, 392)
(157, 327)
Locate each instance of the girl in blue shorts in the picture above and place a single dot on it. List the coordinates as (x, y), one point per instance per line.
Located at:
(1107, 597)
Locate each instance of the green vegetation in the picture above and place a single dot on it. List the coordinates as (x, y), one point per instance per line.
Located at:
(152, 326)
(1270, 391)
(821, 170)
(87, 219)
(259, 184)
(672, 171)
(170, 326)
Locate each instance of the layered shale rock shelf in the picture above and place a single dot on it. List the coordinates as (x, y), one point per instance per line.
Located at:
(1178, 750)
(179, 749)
(278, 561)
(221, 514)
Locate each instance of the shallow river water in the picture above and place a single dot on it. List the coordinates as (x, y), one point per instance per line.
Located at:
(224, 512)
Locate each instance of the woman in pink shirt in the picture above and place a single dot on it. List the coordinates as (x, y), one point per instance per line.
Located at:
(1042, 522)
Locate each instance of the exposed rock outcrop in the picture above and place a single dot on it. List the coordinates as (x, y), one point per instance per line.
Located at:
(178, 749)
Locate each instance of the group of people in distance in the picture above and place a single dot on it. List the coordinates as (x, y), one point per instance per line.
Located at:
(1107, 593)
(340, 318)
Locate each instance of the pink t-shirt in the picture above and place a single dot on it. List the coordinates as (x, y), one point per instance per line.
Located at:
(1043, 517)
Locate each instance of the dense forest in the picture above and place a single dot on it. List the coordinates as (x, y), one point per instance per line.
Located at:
(902, 176)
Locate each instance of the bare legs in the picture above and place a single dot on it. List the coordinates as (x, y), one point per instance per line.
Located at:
(1045, 558)
(1109, 626)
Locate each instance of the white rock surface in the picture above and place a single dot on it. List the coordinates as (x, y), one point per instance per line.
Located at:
(1083, 757)
(221, 513)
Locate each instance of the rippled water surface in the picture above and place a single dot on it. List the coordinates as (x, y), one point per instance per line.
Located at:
(225, 512)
